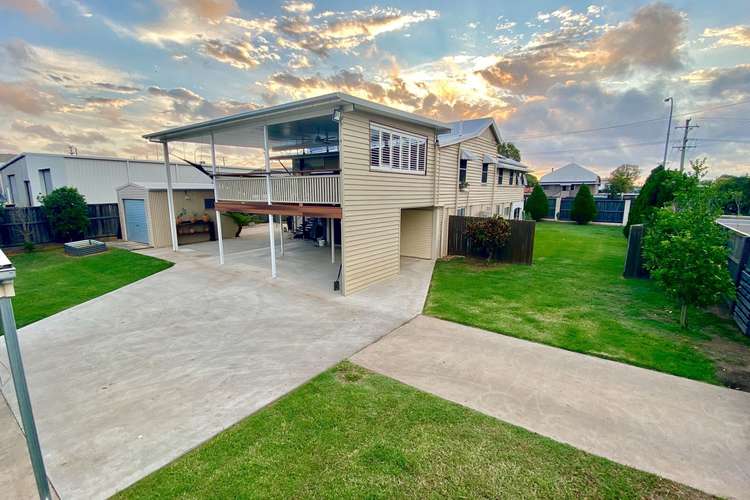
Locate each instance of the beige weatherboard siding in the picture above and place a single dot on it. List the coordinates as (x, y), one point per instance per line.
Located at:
(373, 200)
(417, 232)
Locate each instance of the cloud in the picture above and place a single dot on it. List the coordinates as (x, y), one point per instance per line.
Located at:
(210, 9)
(578, 50)
(25, 97)
(298, 7)
(733, 36)
(238, 53)
(35, 9)
(725, 83)
(84, 137)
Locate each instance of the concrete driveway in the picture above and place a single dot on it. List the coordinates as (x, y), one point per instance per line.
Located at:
(125, 383)
(694, 433)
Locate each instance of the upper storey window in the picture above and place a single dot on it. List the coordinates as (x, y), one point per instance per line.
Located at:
(397, 151)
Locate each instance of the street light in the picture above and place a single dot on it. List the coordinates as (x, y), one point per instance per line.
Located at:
(669, 128)
(7, 276)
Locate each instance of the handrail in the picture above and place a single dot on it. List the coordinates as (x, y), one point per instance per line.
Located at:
(314, 189)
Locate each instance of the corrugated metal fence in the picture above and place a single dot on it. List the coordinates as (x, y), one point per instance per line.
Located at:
(104, 221)
(519, 250)
(611, 211)
(739, 269)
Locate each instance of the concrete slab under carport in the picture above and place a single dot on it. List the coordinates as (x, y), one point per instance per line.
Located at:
(125, 383)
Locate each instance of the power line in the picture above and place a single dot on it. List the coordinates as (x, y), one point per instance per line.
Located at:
(636, 144)
(629, 124)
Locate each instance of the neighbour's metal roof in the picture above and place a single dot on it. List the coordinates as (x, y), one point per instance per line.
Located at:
(570, 173)
(177, 186)
(259, 115)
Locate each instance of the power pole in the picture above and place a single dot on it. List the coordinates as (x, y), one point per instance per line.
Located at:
(669, 127)
(684, 145)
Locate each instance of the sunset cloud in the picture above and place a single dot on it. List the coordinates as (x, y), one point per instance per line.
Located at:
(733, 36)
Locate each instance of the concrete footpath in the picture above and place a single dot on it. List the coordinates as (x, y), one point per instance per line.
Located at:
(693, 433)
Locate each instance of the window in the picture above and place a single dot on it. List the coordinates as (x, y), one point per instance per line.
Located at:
(460, 212)
(12, 188)
(462, 164)
(208, 204)
(516, 213)
(506, 212)
(565, 187)
(510, 178)
(45, 178)
(485, 169)
(29, 196)
(498, 209)
(499, 176)
(394, 150)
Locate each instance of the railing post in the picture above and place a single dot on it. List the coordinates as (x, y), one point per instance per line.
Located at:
(267, 158)
(7, 276)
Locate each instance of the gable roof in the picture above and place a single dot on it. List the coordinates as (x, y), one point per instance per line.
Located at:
(468, 129)
(570, 173)
(258, 116)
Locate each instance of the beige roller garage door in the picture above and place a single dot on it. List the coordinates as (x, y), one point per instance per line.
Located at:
(416, 233)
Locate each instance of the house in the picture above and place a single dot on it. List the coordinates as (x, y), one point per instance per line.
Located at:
(566, 181)
(28, 176)
(383, 181)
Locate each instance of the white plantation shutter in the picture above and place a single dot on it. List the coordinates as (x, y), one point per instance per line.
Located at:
(392, 149)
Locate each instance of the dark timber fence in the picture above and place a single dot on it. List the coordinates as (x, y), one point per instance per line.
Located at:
(518, 250)
(739, 269)
(610, 211)
(104, 221)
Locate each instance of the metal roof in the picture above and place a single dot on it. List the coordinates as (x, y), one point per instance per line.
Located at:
(467, 129)
(177, 186)
(570, 173)
(259, 115)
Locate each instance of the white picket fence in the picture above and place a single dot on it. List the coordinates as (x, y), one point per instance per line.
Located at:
(316, 189)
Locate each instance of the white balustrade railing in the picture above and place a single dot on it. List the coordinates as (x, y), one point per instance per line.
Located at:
(317, 189)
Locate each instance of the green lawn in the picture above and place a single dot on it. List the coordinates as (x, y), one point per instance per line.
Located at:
(352, 434)
(48, 281)
(574, 297)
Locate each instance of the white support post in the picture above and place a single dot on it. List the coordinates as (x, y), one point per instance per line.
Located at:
(267, 158)
(170, 199)
(281, 235)
(558, 204)
(332, 237)
(626, 213)
(216, 200)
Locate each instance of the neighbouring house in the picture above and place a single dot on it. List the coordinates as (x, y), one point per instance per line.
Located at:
(28, 176)
(381, 181)
(144, 213)
(566, 181)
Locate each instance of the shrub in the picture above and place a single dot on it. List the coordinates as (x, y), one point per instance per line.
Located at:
(66, 212)
(537, 205)
(489, 233)
(659, 189)
(241, 219)
(584, 206)
(686, 251)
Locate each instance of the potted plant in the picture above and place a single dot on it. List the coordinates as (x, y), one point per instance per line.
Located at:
(182, 216)
(205, 217)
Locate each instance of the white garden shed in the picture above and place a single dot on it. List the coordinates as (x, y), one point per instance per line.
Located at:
(144, 213)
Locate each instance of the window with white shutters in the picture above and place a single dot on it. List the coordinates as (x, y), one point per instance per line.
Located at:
(394, 150)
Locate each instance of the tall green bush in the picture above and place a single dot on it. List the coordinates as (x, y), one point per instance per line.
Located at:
(584, 206)
(686, 251)
(658, 190)
(66, 212)
(537, 205)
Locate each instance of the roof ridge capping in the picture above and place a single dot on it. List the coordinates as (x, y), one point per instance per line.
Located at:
(334, 98)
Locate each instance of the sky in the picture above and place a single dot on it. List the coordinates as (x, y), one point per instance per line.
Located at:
(100, 74)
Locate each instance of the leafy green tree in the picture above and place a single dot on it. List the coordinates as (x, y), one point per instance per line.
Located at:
(241, 219)
(67, 213)
(734, 192)
(686, 251)
(489, 233)
(658, 190)
(622, 179)
(584, 206)
(537, 205)
(531, 180)
(509, 150)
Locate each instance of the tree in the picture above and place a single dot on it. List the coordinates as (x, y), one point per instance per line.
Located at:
(531, 180)
(686, 251)
(67, 212)
(537, 205)
(658, 190)
(509, 150)
(734, 192)
(489, 233)
(584, 206)
(241, 219)
(622, 179)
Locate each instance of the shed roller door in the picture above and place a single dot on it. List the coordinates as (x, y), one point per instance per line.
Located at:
(135, 220)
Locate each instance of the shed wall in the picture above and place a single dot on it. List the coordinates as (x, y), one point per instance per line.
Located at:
(416, 233)
(192, 202)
